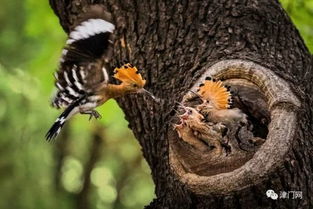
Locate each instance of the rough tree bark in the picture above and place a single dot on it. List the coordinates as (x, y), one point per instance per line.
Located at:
(174, 43)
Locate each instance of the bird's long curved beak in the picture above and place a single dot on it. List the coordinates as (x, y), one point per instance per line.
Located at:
(198, 95)
(145, 91)
(181, 105)
(195, 93)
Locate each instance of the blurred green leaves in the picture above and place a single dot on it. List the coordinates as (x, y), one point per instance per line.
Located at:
(25, 161)
(72, 172)
(301, 13)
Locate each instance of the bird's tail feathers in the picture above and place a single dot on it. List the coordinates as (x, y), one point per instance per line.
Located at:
(60, 121)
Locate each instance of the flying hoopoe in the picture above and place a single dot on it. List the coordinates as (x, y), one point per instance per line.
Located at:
(82, 79)
(216, 103)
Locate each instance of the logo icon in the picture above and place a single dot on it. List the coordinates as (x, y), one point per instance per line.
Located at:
(271, 194)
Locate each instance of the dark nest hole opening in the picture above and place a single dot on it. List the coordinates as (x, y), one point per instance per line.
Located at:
(239, 142)
(253, 103)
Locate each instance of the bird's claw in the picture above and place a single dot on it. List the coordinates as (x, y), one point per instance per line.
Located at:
(93, 113)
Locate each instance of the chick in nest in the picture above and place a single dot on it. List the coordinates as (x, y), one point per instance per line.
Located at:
(193, 124)
(187, 135)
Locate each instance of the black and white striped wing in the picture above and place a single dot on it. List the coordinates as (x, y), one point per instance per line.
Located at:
(83, 63)
(74, 82)
(92, 39)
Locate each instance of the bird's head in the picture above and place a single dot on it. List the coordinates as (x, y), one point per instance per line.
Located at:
(131, 79)
(205, 107)
(191, 114)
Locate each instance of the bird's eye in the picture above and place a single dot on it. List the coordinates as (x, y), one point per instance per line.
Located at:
(134, 85)
(189, 112)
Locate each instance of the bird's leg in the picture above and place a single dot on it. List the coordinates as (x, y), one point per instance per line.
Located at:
(92, 113)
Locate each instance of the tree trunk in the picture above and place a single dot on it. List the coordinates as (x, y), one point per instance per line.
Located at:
(175, 44)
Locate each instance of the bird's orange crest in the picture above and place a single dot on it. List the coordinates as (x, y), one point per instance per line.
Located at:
(129, 74)
(216, 93)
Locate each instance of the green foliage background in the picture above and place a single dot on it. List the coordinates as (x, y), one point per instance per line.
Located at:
(30, 44)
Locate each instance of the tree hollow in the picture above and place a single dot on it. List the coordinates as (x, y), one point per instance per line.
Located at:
(271, 97)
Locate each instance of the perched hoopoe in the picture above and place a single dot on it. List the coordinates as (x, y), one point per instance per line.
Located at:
(216, 103)
(82, 78)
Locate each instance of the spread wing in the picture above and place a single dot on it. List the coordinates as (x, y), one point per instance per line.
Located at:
(83, 62)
